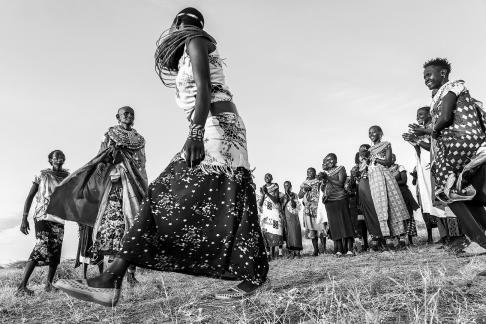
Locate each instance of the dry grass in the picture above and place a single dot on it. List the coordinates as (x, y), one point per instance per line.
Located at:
(418, 285)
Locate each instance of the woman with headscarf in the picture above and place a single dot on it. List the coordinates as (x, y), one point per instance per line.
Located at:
(200, 215)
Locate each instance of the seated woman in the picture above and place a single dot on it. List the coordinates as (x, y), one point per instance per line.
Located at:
(337, 205)
(200, 215)
(49, 230)
(400, 175)
(387, 198)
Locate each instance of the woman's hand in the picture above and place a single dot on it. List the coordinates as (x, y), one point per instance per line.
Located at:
(24, 227)
(410, 137)
(194, 151)
(418, 130)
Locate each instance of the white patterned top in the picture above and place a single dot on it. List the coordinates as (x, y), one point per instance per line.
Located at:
(186, 89)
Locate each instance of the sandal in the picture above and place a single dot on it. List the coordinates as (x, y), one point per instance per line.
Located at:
(232, 293)
(79, 289)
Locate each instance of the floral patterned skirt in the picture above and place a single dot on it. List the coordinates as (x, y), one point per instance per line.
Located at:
(48, 243)
(112, 226)
(199, 223)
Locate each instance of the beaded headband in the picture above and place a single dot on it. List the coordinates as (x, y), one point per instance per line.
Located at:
(192, 16)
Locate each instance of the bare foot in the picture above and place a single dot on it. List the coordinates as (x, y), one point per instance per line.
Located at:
(24, 291)
(105, 280)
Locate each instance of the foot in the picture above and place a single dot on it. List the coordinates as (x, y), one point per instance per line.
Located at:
(132, 281)
(24, 291)
(338, 254)
(316, 253)
(105, 280)
(49, 287)
(482, 273)
(349, 253)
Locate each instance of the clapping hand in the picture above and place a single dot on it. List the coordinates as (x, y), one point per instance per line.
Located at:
(417, 129)
(410, 137)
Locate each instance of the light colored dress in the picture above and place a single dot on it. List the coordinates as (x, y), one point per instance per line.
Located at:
(387, 198)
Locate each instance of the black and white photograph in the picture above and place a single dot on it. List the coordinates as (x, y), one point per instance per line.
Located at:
(274, 161)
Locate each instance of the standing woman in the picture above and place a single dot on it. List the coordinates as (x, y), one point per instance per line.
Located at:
(337, 205)
(291, 207)
(400, 174)
(357, 218)
(200, 215)
(309, 193)
(49, 229)
(271, 219)
(387, 198)
(366, 200)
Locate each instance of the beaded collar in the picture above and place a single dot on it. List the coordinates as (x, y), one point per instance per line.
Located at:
(127, 138)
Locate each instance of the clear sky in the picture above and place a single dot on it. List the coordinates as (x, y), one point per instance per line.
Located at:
(309, 78)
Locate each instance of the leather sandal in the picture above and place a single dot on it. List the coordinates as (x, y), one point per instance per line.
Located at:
(79, 289)
(232, 293)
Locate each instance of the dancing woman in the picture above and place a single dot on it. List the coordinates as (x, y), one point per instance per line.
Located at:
(458, 149)
(49, 230)
(200, 215)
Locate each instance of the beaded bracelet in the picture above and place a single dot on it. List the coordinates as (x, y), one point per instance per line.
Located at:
(196, 132)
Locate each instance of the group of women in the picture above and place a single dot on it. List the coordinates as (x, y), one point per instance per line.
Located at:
(200, 216)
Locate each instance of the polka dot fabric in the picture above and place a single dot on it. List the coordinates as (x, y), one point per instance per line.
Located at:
(199, 224)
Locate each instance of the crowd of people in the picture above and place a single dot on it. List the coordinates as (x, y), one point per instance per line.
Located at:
(203, 215)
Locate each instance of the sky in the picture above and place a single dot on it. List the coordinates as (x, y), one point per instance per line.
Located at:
(308, 77)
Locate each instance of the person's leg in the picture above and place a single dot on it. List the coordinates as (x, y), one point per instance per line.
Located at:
(131, 276)
(349, 245)
(85, 270)
(338, 246)
(50, 277)
(29, 268)
(100, 268)
(315, 244)
(410, 240)
(112, 277)
(470, 226)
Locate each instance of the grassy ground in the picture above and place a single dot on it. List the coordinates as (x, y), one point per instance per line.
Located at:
(419, 285)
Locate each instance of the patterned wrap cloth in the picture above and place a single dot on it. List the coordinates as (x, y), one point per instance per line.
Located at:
(271, 219)
(457, 143)
(312, 223)
(293, 230)
(387, 198)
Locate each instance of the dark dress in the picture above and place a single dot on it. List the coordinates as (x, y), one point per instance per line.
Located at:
(200, 224)
(368, 208)
(293, 230)
(337, 208)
